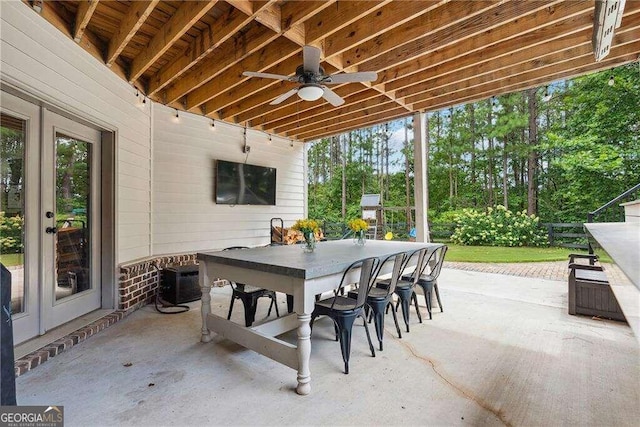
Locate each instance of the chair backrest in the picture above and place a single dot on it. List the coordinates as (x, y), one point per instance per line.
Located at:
(420, 257)
(435, 260)
(368, 267)
(398, 264)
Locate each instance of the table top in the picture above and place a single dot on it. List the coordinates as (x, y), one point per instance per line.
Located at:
(331, 257)
(621, 241)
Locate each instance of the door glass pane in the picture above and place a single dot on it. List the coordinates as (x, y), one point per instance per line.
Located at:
(73, 196)
(12, 133)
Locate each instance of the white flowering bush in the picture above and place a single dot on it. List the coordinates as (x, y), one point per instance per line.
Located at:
(498, 227)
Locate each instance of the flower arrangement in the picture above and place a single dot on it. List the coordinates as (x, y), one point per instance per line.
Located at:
(358, 224)
(306, 226)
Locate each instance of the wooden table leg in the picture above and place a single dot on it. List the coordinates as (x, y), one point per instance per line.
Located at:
(205, 300)
(304, 354)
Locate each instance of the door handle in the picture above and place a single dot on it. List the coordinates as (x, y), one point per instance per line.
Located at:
(51, 230)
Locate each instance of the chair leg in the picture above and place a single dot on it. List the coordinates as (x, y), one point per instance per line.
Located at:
(404, 302)
(250, 304)
(289, 303)
(435, 286)
(233, 299)
(377, 312)
(366, 329)
(395, 320)
(427, 290)
(345, 326)
(414, 297)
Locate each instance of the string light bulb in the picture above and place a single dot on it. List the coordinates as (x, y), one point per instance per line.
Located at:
(213, 125)
(611, 82)
(547, 96)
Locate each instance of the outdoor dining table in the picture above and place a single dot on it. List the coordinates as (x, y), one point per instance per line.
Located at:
(290, 270)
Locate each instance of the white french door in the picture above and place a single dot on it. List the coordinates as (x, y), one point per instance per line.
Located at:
(50, 204)
(70, 232)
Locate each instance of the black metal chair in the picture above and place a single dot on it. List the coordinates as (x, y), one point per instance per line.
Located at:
(406, 285)
(379, 299)
(344, 310)
(429, 282)
(249, 296)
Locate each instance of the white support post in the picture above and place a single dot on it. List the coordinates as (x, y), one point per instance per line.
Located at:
(421, 175)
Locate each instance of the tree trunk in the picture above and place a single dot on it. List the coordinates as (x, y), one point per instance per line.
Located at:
(505, 178)
(344, 179)
(532, 160)
(490, 155)
(472, 129)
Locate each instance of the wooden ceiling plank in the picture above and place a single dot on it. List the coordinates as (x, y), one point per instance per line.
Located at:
(382, 20)
(83, 16)
(133, 20)
(271, 17)
(502, 41)
(337, 16)
(182, 20)
(222, 59)
(277, 51)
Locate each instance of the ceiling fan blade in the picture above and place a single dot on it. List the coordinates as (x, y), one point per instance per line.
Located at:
(365, 76)
(265, 75)
(311, 59)
(332, 97)
(284, 96)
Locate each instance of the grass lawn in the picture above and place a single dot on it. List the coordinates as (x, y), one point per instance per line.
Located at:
(501, 254)
(10, 260)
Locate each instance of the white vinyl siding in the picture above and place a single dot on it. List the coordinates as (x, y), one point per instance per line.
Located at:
(39, 60)
(185, 215)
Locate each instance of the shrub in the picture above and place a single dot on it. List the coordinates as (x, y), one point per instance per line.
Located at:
(498, 227)
(11, 234)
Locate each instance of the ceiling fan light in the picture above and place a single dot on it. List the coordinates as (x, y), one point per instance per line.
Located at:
(310, 92)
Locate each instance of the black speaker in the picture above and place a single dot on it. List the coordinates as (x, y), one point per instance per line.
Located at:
(180, 284)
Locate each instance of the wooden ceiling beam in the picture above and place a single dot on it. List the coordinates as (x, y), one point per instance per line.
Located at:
(83, 16)
(380, 21)
(346, 110)
(250, 86)
(210, 39)
(337, 16)
(133, 20)
(619, 55)
(210, 89)
(358, 121)
(555, 51)
(566, 19)
(238, 48)
(182, 20)
(60, 18)
(279, 50)
(293, 113)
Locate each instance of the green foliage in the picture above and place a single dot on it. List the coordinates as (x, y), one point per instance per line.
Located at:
(497, 227)
(497, 254)
(11, 234)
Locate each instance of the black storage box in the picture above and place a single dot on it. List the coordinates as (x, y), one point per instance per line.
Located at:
(180, 284)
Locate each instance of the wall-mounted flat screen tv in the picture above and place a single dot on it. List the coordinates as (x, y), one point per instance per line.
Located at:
(244, 184)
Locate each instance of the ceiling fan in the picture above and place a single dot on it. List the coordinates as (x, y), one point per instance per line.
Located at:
(312, 79)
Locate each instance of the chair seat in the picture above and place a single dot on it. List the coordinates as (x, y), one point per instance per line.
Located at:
(342, 303)
(374, 293)
(248, 289)
(402, 284)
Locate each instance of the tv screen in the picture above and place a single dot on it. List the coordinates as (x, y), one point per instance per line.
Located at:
(244, 184)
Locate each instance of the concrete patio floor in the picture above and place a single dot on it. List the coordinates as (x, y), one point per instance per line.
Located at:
(504, 352)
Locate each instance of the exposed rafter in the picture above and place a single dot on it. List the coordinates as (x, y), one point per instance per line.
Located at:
(428, 54)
